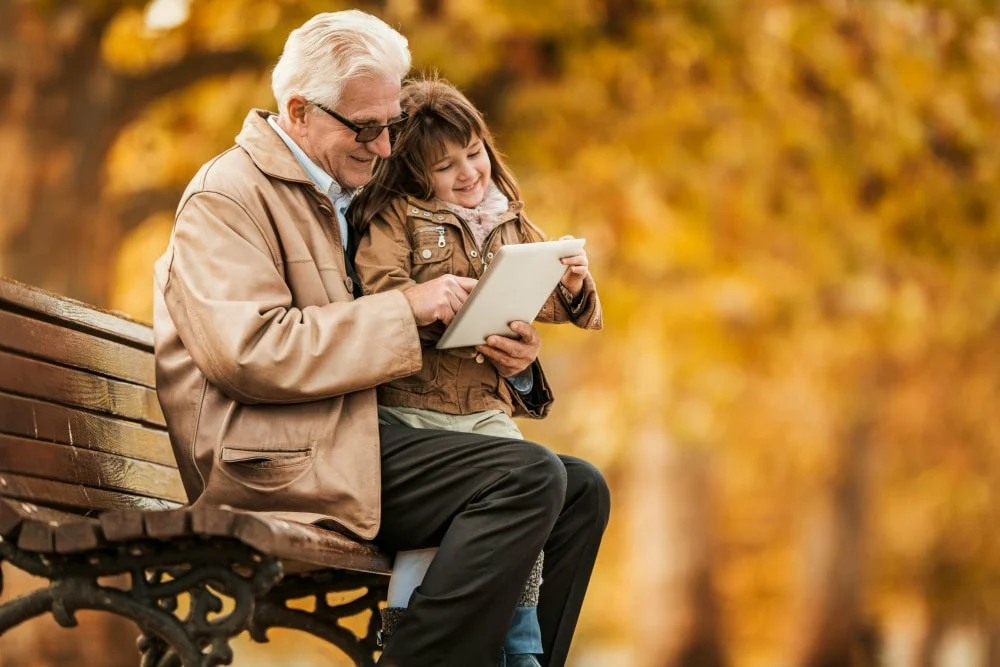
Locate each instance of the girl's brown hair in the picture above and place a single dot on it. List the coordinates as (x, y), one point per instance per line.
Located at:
(438, 114)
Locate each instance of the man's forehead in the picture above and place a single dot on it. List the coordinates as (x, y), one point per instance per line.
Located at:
(367, 98)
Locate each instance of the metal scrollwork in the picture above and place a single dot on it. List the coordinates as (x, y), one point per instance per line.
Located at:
(272, 610)
(162, 574)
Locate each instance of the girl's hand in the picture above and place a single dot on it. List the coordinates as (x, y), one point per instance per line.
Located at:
(576, 271)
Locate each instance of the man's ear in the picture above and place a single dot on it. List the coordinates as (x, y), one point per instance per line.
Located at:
(297, 108)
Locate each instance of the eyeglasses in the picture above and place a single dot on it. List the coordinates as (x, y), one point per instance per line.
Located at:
(366, 133)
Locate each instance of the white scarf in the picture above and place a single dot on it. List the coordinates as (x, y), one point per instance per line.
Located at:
(484, 218)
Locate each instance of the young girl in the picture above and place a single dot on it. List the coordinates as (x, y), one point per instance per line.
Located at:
(445, 203)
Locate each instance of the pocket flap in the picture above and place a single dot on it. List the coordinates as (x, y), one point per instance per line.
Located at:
(233, 455)
(428, 254)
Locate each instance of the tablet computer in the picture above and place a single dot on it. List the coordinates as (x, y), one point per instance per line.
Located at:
(514, 287)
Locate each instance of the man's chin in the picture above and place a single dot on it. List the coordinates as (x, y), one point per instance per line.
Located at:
(357, 178)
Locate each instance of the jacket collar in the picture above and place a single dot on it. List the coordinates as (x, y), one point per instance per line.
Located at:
(435, 206)
(267, 150)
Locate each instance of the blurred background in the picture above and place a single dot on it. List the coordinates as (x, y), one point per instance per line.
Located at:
(791, 209)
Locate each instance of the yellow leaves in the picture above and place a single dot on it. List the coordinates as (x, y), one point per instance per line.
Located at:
(168, 145)
(127, 45)
(166, 14)
(133, 268)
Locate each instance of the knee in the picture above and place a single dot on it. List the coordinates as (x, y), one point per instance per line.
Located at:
(588, 488)
(543, 474)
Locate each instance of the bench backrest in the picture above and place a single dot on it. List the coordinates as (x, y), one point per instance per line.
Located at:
(80, 427)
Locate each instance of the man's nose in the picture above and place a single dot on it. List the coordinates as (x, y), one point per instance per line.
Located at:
(381, 145)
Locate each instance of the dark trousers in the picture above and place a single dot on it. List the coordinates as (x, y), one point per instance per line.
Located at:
(490, 505)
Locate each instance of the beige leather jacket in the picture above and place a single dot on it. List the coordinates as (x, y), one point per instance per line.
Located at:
(266, 365)
(415, 241)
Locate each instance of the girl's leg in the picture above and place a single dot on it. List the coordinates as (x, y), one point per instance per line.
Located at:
(408, 571)
(524, 637)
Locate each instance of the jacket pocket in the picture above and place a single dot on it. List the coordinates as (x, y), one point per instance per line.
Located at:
(264, 458)
(265, 469)
(432, 253)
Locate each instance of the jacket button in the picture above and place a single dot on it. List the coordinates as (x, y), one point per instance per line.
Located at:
(426, 254)
(325, 210)
(480, 358)
(489, 255)
(349, 284)
(473, 254)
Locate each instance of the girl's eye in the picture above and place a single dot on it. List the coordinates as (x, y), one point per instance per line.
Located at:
(443, 168)
(475, 152)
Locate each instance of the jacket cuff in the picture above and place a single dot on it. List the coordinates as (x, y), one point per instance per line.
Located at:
(537, 403)
(585, 310)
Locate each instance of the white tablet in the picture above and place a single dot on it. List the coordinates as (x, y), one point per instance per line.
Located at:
(514, 287)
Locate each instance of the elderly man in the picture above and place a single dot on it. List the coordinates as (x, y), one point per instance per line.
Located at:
(267, 359)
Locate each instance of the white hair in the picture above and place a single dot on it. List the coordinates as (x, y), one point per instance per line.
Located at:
(331, 48)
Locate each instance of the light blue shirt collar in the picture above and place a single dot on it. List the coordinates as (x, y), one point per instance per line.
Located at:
(341, 199)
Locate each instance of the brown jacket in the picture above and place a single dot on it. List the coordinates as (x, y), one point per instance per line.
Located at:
(415, 241)
(266, 365)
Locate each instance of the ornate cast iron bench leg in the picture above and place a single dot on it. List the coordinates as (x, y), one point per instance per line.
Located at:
(160, 573)
(272, 610)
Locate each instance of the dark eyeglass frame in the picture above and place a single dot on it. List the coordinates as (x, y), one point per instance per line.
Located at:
(364, 134)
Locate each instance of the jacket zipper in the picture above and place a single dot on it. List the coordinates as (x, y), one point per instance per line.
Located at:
(438, 230)
(488, 242)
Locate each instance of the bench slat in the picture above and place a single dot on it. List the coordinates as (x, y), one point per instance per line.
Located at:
(302, 546)
(37, 536)
(73, 496)
(312, 545)
(75, 315)
(38, 379)
(123, 525)
(47, 421)
(80, 535)
(60, 345)
(14, 512)
(165, 525)
(93, 469)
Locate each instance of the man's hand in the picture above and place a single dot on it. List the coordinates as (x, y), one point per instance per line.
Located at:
(510, 356)
(439, 299)
(576, 270)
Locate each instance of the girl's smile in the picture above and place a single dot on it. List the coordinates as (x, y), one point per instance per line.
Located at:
(461, 174)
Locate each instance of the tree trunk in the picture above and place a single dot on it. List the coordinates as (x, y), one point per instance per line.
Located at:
(55, 136)
(672, 541)
(992, 630)
(679, 620)
(62, 107)
(831, 631)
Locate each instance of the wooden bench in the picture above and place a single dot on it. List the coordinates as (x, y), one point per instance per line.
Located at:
(89, 488)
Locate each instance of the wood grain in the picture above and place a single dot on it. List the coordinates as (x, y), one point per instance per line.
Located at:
(98, 470)
(74, 314)
(31, 418)
(42, 380)
(74, 497)
(58, 344)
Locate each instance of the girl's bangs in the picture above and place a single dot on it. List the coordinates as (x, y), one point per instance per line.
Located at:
(437, 129)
